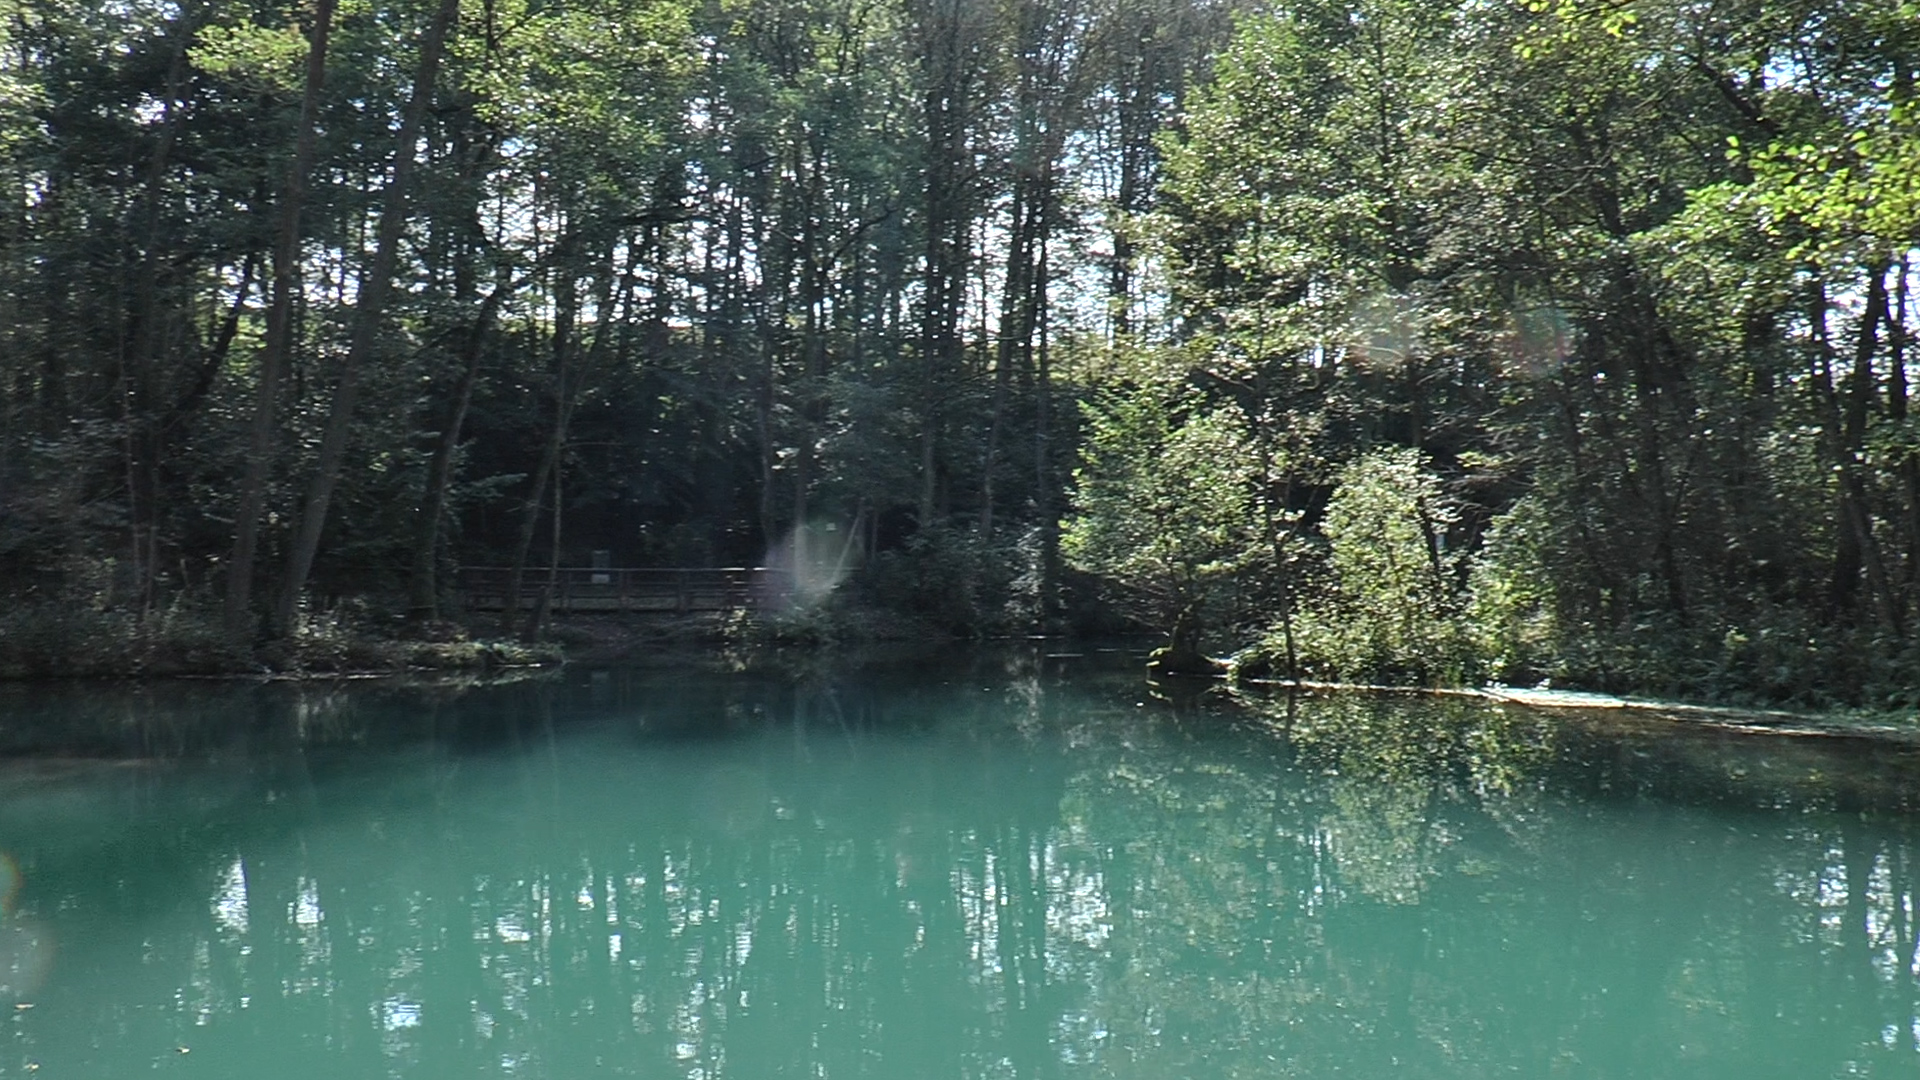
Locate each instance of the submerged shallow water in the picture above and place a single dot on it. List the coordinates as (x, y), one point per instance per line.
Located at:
(1001, 868)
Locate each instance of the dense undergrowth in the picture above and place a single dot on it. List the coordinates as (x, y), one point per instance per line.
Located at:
(55, 639)
(1380, 600)
(1483, 622)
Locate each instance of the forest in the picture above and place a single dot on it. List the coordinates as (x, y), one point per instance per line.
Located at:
(1364, 340)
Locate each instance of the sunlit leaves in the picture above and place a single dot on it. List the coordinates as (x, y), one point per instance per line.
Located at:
(251, 52)
(1564, 21)
(1162, 499)
(1825, 198)
(1392, 611)
(587, 94)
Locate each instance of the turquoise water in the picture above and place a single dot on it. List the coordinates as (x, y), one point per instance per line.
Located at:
(1002, 868)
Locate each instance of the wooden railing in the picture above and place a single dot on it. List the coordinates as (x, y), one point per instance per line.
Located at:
(629, 589)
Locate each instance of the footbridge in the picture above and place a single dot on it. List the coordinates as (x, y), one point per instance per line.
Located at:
(640, 590)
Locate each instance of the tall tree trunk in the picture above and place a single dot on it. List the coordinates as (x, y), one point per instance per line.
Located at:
(214, 357)
(423, 590)
(273, 358)
(1128, 200)
(1856, 553)
(367, 320)
(810, 407)
(1045, 484)
(948, 71)
(1860, 395)
(146, 341)
(1897, 395)
(1048, 102)
(566, 310)
(1016, 336)
(1276, 500)
(542, 608)
(571, 373)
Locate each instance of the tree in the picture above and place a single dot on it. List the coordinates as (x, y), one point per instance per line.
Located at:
(1163, 506)
(1392, 611)
(370, 302)
(280, 333)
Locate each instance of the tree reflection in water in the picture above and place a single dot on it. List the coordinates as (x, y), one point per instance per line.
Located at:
(1003, 874)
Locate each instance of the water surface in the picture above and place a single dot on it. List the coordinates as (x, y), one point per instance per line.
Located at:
(996, 868)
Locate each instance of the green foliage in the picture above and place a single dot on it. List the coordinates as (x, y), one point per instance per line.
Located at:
(249, 52)
(1635, 279)
(1391, 612)
(53, 639)
(1511, 609)
(1162, 502)
(1669, 384)
(955, 583)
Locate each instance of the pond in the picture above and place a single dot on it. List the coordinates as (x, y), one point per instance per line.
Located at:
(1000, 866)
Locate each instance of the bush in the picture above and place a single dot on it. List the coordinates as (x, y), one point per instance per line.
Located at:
(1391, 610)
(74, 638)
(1511, 614)
(950, 579)
(1164, 509)
(62, 638)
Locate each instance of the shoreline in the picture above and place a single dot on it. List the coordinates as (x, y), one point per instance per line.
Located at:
(1732, 718)
(373, 654)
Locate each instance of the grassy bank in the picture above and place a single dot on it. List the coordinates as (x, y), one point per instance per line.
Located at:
(77, 640)
(55, 640)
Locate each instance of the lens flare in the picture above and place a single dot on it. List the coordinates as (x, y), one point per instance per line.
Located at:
(1386, 329)
(26, 946)
(812, 560)
(1536, 342)
(26, 956)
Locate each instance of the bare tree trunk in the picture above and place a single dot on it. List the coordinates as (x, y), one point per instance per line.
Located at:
(566, 305)
(1276, 496)
(1856, 552)
(1044, 483)
(570, 376)
(214, 357)
(146, 343)
(810, 407)
(273, 359)
(1897, 407)
(1860, 393)
(537, 618)
(949, 67)
(371, 305)
(1018, 318)
(423, 588)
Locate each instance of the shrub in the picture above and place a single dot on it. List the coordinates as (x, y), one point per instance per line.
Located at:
(1511, 612)
(1391, 609)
